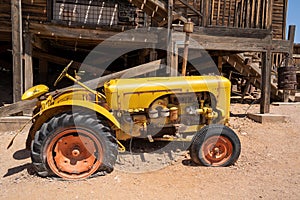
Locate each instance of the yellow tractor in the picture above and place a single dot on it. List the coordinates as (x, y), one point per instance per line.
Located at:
(77, 132)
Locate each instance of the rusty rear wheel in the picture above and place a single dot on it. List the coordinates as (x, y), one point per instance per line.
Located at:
(74, 153)
(73, 146)
(215, 145)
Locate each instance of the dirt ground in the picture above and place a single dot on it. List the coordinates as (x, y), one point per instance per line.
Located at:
(268, 168)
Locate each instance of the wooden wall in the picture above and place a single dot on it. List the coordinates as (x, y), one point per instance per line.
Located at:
(32, 10)
(5, 25)
(224, 13)
(257, 14)
(279, 19)
(241, 13)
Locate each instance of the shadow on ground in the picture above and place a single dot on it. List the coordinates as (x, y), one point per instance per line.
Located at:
(19, 169)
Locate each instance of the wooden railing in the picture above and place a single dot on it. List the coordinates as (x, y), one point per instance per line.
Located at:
(227, 13)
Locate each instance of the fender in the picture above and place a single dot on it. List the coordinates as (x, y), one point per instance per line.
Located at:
(66, 106)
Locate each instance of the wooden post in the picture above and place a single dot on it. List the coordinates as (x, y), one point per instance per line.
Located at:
(171, 69)
(16, 18)
(269, 14)
(220, 64)
(266, 81)
(28, 71)
(285, 8)
(153, 56)
(291, 38)
(289, 61)
(188, 28)
(246, 90)
(185, 53)
(206, 14)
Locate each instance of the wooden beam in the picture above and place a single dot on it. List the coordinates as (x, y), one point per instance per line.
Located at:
(185, 54)
(269, 14)
(291, 38)
(16, 15)
(170, 44)
(246, 89)
(230, 43)
(52, 31)
(28, 70)
(284, 20)
(17, 107)
(128, 73)
(206, 15)
(232, 32)
(266, 82)
(153, 57)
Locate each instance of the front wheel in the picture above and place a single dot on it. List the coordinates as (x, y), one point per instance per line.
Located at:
(73, 146)
(215, 145)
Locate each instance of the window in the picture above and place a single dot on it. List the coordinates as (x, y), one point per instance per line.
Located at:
(95, 12)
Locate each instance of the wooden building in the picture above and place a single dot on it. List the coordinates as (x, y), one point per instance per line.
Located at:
(45, 35)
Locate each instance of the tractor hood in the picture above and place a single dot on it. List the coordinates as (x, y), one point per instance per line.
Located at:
(137, 93)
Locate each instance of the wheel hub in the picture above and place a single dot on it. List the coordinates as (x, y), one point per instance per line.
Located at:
(217, 150)
(75, 152)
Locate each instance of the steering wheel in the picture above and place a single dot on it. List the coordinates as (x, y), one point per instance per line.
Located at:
(63, 73)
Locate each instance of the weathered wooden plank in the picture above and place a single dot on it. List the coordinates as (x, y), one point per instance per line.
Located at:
(224, 12)
(39, 18)
(17, 107)
(34, 10)
(54, 32)
(258, 14)
(266, 82)
(252, 24)
(232, 43)
(35, 2)
(269, 14)
(218, 12)
(236, 14)
(291, 39)
(234, 32)
(206, 13)
(28, 70)
(242, 14)
(248, 14)
(212, 11)
(128, 73)
(263, 6)
(17, 50)
(229, 13)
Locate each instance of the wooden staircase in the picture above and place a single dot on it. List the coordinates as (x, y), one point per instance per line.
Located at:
(158, 10)
(251, 71)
